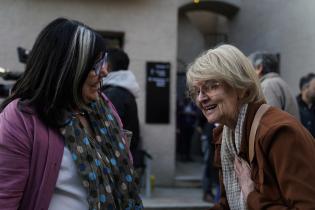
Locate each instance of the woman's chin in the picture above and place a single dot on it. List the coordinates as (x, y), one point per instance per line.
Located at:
(91, 98)
(211, 121)
(211, 118)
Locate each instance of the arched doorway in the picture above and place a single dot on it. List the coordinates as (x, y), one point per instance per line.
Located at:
(200, 26)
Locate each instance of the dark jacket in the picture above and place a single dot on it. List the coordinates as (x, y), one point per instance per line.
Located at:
(122, 88)
(283, 167)
(126, 106)
(307, 115)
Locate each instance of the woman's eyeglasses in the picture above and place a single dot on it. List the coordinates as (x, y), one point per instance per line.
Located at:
(206, 87)
(100, 64)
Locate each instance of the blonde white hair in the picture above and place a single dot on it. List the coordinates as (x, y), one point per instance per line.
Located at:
(228, 64)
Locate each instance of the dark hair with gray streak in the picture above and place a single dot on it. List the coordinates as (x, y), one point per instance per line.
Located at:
(268, 61)
(60, 60)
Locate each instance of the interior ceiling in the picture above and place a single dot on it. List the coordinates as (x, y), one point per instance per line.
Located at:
(207, 22)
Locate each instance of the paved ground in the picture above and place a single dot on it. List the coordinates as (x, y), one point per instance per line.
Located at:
(179, 198)
(188, 194)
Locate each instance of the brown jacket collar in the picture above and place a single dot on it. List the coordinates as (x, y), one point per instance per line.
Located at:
(251, 111)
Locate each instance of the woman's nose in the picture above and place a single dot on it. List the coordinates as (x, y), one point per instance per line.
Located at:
(202, 96)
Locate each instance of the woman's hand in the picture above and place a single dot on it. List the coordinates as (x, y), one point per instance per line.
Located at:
(242, 170)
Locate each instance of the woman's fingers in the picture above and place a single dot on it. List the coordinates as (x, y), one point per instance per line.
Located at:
(242, 171)
(245, 164)
(241, 167)
(237, 166)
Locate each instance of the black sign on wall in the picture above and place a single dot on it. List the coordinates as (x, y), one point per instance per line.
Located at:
(157, 92)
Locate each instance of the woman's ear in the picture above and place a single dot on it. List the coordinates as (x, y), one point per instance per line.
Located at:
(259, 70)
(242, 94)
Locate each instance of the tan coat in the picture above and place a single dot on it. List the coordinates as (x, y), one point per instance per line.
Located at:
(283, 168)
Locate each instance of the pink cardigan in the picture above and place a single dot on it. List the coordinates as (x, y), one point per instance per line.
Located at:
(30, 158)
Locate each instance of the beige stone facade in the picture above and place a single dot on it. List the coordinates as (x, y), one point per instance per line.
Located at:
(174, 31)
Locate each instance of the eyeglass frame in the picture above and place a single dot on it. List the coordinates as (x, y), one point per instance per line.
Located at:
(97, 67)
(206, 87)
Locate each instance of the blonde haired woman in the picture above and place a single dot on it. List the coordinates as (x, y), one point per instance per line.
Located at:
(224, 85)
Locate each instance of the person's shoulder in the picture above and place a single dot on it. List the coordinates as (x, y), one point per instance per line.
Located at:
(11, 109)
(277, 117)
(274, 78)
(117, 90)
(277, 79)
(15, 112)
(12, 119)
(275, 85)
(108, 87)
(276, 121)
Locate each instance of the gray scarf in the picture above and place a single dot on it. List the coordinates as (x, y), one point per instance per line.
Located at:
(231, 143)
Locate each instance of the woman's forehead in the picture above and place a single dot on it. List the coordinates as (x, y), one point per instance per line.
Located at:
(203, 81)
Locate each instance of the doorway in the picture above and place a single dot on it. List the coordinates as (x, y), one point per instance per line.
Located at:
(198, 30)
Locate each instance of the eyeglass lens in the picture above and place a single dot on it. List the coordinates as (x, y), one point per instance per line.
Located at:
(100, 64)
(209, 85)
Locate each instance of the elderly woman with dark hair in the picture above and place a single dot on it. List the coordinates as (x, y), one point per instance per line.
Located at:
(225, 87)
(61, 142)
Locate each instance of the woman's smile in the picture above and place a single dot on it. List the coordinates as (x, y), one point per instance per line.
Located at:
(218, 105)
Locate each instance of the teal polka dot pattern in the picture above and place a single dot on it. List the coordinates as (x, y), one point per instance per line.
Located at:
(102, 159)
(110, 117)
(92, 176)
(103, 130)
(113, 161)
(97, 162)
(121, 146)
(128, 178)
(102, 198)
(74, 157)
(86, 141)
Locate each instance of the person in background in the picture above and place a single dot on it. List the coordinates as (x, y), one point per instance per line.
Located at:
(224, 85)
(306, 102)
(210, 174)
(276, 90)
(122, 88)
(187, 123)
(61, 141)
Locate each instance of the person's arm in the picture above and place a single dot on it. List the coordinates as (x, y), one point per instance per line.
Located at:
(132, 124)
(291, 156)
(15, 152)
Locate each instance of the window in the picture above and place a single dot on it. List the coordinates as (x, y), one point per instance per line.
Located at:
(113, 39)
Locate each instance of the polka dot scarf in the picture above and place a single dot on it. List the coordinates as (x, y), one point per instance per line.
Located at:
(103, 162)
